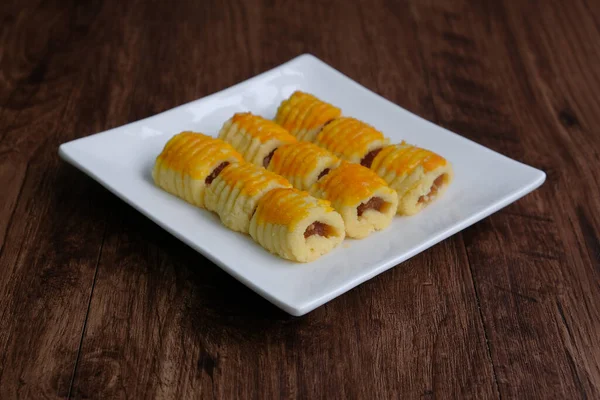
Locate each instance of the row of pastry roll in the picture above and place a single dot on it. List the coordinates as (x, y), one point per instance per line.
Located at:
(211, 174)
(417, 175)
(362, 198)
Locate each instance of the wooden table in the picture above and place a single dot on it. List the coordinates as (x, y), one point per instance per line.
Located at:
(96, 301)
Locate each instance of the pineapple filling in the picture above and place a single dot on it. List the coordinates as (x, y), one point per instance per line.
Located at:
(375, 203)
(437, 184)
(267, 159)
(215, 173)
(323, 173)
(318, 228)
(369, 157)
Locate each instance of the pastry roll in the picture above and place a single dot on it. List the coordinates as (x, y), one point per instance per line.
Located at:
(235, 193)
(351, 140)
(419, 176)
(361, 197)
(256, 138)
(304, 115)
(302, 163)
(294, 225)
(190, 162)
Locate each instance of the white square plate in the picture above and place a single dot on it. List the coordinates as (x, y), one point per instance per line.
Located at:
(121, 159)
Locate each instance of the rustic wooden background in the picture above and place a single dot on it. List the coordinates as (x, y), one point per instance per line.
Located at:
(98, 302)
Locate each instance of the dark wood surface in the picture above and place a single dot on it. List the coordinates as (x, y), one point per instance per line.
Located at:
(98, 302)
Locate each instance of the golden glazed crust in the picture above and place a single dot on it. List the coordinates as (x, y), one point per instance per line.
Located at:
(284, 224)
(362, 198)
(303, 115)
(350, 139)
(419, 176)
(302, 163)
(189, 162)
(285, 221)
(235, 193)
(254, 137)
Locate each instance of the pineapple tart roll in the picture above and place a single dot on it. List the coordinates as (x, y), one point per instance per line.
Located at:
(235, 193)
(190, 162)
(294, 225)
(352, 140)
(256, 138)
(304, 115)
(363, 199)
(419, 176)
(302, 163)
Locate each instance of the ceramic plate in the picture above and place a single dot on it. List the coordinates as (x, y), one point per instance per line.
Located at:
(121, 159)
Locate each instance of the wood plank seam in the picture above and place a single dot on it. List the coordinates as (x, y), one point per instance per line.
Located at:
(135, 86)
(85, 319)
(473, 282)
(587, 6)
(591, 243)
(17, 260)
(580, 226)
(10, 219)
(106, 223)
(570, 360)
(483, 324)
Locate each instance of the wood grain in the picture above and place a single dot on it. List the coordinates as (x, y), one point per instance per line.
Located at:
(98, 302)
(197, 354)
(524, 290)
(51, 232)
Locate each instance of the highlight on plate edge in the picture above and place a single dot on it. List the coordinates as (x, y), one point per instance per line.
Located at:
(300, 184)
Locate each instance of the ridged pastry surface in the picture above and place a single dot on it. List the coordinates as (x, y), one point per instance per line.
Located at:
(303, 115)
(418, 175)
(403, 158)
(350, 139)
(302, 163)
(187, 162)
(254, 137)
(350, 184)
(363, 199)
(284, 224)
(235, 193)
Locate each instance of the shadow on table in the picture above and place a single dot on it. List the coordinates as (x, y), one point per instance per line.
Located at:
(156, 271)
